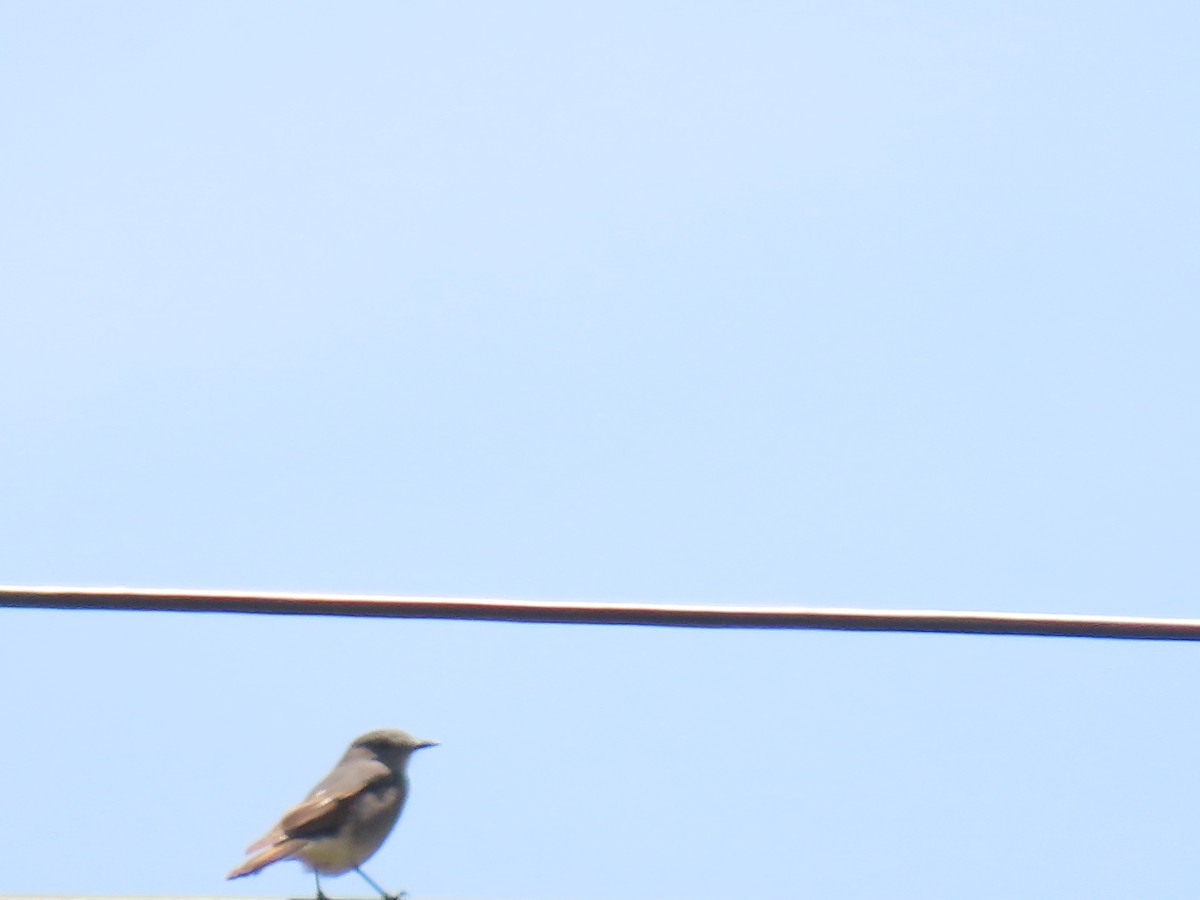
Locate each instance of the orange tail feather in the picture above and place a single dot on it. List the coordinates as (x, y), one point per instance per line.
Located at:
(261, 860)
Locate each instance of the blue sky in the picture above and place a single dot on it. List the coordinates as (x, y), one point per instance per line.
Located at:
(764, 303)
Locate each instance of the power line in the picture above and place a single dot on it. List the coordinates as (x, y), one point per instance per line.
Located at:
(766, 617)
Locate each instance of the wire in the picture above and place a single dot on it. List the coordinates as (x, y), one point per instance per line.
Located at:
(773, 617)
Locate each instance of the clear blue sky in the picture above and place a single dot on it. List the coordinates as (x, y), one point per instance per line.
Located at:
(862, 303)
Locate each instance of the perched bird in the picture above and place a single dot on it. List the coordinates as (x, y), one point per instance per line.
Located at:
(346, 817)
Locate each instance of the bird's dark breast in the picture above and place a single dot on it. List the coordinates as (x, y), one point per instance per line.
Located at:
(375, 812)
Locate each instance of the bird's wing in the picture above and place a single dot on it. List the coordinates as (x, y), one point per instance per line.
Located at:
(322, 810)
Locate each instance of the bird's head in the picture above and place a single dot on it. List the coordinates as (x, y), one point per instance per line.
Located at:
(391, 745)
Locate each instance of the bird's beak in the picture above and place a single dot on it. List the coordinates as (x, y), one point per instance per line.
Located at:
(423, 744)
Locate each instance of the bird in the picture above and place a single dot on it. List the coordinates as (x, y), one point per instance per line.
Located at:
(347, 816)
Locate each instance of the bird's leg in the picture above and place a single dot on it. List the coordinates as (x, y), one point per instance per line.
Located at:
(320, 893)
(382, 893)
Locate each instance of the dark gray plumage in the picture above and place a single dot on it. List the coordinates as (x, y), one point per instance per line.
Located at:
(348, 815)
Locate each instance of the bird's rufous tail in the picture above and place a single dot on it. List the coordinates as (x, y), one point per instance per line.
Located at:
(264, 858)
